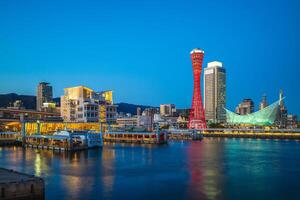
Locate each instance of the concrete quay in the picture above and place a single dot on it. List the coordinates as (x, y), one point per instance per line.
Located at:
(20, 186)
(253, 133)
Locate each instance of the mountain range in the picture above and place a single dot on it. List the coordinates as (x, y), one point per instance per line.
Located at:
(29, 102)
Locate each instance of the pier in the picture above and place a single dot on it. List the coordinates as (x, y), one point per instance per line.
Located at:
(136, 137)
(253, 133)
(16, 185)
(72, 142)
(184, 134)
(9, 138)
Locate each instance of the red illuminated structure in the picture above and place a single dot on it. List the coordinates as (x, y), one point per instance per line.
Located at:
(197, 115)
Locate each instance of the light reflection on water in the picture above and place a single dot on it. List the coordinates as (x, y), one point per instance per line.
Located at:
(214, 168)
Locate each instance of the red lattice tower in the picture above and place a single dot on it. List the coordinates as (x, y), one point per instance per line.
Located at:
(197, 114)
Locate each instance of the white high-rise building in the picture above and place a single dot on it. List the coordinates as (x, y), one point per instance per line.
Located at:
(215, 92)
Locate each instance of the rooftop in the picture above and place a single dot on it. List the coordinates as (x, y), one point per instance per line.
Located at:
(214, 64)
(197, 50)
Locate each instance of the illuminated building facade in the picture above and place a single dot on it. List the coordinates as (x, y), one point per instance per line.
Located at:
(197, 114)
(82, 104)
(215, 92)
(108, 111)
(265, 116)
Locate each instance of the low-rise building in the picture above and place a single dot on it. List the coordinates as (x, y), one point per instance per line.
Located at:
(127, 121)
(144, 121)
(82, 104)
(292, 121)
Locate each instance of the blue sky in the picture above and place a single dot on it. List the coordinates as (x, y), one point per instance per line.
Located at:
(140, 49)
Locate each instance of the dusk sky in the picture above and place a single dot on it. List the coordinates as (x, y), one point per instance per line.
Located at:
(140, 49)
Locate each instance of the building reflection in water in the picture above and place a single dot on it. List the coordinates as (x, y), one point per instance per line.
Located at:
(206, 169)
(107, 164)
(37, 165)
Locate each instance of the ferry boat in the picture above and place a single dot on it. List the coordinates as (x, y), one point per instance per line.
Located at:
(92, 138)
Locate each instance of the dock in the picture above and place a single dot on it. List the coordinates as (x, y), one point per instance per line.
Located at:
(135, 137)
(184, 134)
(16, 185)
(56, 142)
(253, 133)
(9, 138)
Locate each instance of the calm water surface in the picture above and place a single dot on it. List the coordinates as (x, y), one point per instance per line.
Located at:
(211, 169)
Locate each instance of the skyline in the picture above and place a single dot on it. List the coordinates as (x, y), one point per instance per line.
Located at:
(69, 44)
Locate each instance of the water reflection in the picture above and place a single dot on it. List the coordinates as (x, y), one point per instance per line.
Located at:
(205, 164)
(210, 169)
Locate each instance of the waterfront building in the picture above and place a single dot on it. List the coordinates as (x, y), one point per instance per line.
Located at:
(82, 104)
(144, 121)
(197, 114)
(111, 113)
(263, 102)
(167, 109)
(182, 121)
(127, 121)
(215, 92)
(292, 121)
(166, 121)
(15, 115)
(245, 107)
(135, 121)
(44, 95)
(50, 107)
(150, 112)
(266, 116)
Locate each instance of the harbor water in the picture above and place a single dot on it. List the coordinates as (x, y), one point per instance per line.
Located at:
(214, 168)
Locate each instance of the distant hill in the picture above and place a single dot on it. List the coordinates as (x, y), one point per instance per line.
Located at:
(29, 102)
(130, 108)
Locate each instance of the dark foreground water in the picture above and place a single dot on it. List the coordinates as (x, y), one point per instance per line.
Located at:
(211, 169)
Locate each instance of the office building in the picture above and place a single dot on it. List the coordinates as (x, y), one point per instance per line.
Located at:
(263, 102)
(44, 95)
(167, 109)
(215, 92)
(245, 107)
